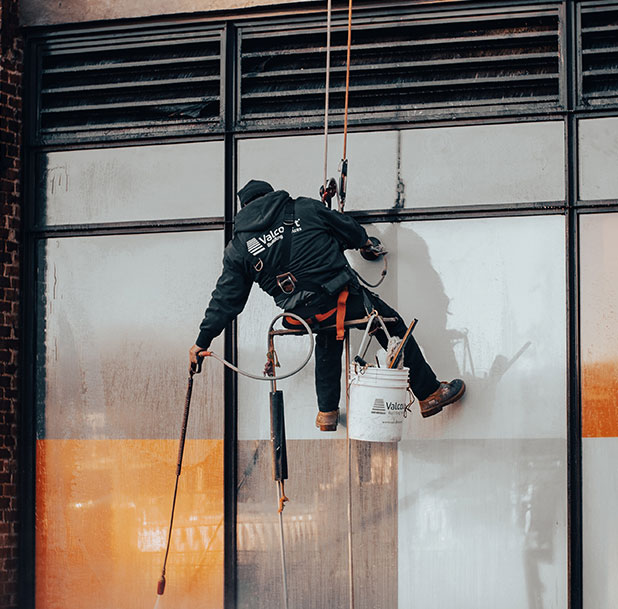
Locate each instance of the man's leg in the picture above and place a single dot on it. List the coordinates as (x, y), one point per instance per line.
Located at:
(328, 352)
(432, 394)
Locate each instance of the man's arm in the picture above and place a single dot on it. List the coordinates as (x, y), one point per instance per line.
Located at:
(226, 302)
(344, 228)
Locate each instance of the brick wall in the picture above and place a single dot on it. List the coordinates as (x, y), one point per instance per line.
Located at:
(11, 61)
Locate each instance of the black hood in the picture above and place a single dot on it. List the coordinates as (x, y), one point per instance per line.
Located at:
(261, 213)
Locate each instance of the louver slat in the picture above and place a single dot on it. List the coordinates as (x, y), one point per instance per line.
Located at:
(599, 36)
(150, 82)
(403, 66)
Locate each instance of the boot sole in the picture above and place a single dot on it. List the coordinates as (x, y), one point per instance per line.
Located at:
(437, 409)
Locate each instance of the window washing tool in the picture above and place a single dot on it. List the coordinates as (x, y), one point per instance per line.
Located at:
(280, 465)
(193, 369)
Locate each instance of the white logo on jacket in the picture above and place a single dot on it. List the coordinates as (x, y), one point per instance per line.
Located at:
(257, 245)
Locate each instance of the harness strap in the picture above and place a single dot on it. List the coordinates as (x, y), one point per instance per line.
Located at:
(341, 306)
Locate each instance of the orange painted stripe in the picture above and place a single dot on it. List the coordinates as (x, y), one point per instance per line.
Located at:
(600, 400)
(102, 515)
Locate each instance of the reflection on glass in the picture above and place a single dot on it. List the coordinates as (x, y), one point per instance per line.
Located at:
(599, 354)
(598, 157)
(482, 524)
(599, 324)
(133, 183)
(474, 165)
(116, 317)
(316, 526)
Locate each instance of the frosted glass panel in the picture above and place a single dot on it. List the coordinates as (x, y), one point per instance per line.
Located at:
(117, 315)
(120, 315)
(481, 164)
(482, 524)
(132, 183)
(599, 354)
(489, 295)
(372, 171)
(598, 158)
(600, 535)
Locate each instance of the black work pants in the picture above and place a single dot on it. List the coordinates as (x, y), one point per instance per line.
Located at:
(328, 352)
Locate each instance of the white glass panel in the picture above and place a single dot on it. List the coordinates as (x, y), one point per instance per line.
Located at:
(296, 164)
(598, 158)
(120, 315)
(600, 502)
(132, 183)
(484, 164)
(489, 295)
(482, 524)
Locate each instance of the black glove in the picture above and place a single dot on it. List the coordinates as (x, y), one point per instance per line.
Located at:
(373, 251)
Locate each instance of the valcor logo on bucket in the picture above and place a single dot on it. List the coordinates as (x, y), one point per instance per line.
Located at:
(381, 406)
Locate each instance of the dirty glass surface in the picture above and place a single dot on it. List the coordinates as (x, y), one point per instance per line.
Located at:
(599, 352)
(484, 475)
(429, 167)
(117, 316)
(156, 182)
(598, 157)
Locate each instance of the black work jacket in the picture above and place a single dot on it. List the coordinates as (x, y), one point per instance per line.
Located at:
(318, 237)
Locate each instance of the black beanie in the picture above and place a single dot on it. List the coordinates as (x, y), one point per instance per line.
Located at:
(252, 190)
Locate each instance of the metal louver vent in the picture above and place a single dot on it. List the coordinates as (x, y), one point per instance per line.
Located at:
(401, 66)
(129, 81)
(599, 68)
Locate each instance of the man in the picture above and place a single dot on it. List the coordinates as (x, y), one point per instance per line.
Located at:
(293, 249)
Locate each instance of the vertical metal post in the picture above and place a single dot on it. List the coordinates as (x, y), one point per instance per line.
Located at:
(574, 440)
(230, 433)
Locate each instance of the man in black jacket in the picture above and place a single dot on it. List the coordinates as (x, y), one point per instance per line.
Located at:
(293, 249)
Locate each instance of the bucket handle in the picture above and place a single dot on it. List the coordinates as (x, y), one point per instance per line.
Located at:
(407, 407)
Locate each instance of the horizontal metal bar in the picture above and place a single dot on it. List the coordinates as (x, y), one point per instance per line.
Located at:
(600, 29)
(368, 24)
(459, 212)
(114, 46)
(455, 61)
(425, 84)
(600, 72)
(148, 122)
(123, 228)
(132, 104)
(142, 84)
(600, 50)
(550, 102)
(403, 44)
(153, 64)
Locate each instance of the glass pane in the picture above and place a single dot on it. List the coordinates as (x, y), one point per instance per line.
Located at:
(484, 164)
(599, 354)
(117, 316)
(598, 157)
(491, 468)
(132, 183)
(481, 164)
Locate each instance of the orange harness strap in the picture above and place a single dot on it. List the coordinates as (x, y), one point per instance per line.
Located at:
(341, 302)
(320, 317)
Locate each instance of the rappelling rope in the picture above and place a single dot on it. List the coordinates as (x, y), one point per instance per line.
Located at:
(327, 88)
(347, 82)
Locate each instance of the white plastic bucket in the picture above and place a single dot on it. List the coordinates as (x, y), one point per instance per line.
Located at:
(378, 400)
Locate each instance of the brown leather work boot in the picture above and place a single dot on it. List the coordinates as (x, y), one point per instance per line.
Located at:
(327, 421)
(445, 394)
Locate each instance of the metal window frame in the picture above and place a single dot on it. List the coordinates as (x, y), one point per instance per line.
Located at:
(230, 22)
